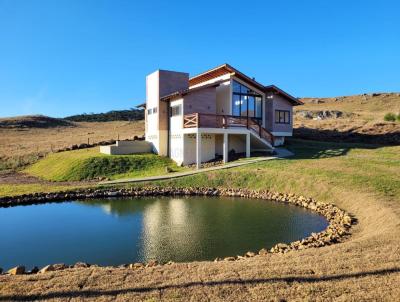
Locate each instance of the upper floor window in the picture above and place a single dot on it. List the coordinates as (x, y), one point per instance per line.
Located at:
(282, 116)
(176, 110)
(245, 101)
(152, 111)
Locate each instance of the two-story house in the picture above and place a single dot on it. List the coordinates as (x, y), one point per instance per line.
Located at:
(194, 119)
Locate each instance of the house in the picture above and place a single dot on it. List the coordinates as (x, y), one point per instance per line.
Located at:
(196, 119)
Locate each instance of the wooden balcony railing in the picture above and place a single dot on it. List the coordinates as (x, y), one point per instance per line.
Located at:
(205, 120)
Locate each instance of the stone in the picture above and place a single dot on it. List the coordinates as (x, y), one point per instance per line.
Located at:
(263, 252)
(18, 270)
(47, 268)
(52, 268)
(249, 254)
(229, 259)
(81, 265)
(34, 270)
(136, 265)
(282, 246)
(152, 263)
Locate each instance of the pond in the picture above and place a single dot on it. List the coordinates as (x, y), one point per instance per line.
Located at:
(118, 231)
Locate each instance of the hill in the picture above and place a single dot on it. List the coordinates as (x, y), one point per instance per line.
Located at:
(34, 121)
(21, 144)
(115, 115)
(87, 164)
(357, 118)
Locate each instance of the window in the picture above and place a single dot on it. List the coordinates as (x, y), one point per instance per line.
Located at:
(246, 102)
(282, 117)
(152, 111)
(175, 110)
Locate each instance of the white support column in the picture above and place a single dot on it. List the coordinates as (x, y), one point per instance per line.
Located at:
(248, 145)
(225, 148)
(198, 150)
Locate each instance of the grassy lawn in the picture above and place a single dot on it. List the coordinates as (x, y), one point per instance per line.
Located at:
(88, 164)
(318, 169)
(19, 189)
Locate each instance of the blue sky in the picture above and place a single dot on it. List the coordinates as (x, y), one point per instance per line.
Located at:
(65, 57)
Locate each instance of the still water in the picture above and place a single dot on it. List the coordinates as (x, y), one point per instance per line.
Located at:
(118, 231)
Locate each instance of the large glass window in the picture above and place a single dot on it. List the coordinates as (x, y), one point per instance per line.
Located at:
(236, 105)
(246, 102)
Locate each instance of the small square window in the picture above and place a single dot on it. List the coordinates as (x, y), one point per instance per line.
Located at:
(282, 117)
(175, 110)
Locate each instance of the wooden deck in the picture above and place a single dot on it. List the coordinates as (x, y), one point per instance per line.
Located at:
(205, 120)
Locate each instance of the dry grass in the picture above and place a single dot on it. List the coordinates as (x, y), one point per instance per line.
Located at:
(20, 146)
(366, 121)
(363, 180)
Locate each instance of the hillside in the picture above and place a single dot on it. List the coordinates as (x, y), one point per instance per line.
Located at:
(22, 144)
(358, 118)
(34, 121)
(115, 115)
(87, 164)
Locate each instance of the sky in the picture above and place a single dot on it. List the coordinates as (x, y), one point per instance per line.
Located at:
(64, 57)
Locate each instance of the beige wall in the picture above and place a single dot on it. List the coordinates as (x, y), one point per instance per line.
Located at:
(127, 147)
(202, 101)
(278, 103)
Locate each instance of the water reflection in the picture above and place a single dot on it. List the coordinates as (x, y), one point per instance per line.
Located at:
(115, 231)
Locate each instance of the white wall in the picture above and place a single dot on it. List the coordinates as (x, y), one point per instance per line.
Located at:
(176, 147)
(207, 151)
(237, 142)
(152, 99)
(127, 147)
(176, 122)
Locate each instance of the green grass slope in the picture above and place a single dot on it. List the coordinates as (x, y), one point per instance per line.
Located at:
(86, 164)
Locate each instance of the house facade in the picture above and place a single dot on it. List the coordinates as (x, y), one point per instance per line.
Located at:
(221, 111)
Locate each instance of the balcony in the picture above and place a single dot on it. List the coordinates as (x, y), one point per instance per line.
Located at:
(205, 120)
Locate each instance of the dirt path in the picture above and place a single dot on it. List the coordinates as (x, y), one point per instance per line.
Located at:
(11, 177)
(365, 267)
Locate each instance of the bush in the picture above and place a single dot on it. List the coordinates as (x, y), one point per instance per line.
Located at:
(398, 117)
(390, 117)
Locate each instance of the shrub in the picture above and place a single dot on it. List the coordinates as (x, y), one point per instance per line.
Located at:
(390, 117)
(398, 117)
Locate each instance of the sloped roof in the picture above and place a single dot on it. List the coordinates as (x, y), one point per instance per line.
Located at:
(228, 69)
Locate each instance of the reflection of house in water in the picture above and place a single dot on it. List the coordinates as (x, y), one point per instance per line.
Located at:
(168, 230)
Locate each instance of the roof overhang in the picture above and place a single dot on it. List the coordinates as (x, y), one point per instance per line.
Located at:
(223, 70)
(181, 93)
(294, 101)
(228, 69)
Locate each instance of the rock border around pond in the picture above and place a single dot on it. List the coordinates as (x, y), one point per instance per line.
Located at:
(339, 221)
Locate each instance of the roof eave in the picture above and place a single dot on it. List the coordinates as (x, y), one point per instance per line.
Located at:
(292, 99)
